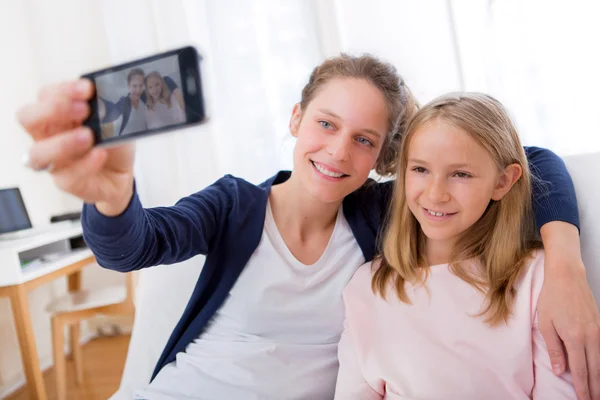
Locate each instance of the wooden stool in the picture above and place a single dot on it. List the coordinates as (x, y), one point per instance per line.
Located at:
(70, 310)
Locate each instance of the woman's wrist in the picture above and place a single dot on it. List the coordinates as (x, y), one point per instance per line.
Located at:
(116, 207)
(562, 247)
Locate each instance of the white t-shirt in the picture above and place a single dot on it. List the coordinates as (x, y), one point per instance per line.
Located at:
(277, 333)
(162, 115)
(137, 119)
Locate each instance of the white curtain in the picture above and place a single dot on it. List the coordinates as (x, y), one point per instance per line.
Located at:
(257, 56)
(540, 59)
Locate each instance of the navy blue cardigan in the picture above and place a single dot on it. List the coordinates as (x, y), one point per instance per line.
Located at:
(225, 222)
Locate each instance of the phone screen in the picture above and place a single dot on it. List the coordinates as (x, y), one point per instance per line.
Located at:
(153, 94)
(145, 97)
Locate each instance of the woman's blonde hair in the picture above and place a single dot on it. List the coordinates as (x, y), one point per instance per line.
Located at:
(165, 92)
(501, 240)
(401, 105)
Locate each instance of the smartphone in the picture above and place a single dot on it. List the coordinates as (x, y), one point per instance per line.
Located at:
(147, 96)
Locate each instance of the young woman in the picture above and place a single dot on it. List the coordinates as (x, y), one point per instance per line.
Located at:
(450, 310)
(163, 106)
(266, 313)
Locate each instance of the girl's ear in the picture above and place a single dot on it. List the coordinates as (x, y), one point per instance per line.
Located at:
(295, 120)
(508, 178)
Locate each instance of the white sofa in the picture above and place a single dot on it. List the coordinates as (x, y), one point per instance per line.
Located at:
(585, 171)
(163, 292)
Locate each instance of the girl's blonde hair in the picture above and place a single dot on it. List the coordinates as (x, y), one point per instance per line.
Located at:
(165, 92)
(501, 240)
(401, 105)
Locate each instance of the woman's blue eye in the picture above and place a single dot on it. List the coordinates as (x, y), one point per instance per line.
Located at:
(325, 124)
(364, 141)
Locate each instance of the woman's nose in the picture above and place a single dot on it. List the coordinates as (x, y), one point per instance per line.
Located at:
(339, 148)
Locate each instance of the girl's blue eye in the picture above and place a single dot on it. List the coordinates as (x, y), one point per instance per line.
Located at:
(325, 124)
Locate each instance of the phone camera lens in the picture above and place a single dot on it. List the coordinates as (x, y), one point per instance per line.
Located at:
(190, 83)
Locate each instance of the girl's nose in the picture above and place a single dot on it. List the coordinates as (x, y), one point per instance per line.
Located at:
(437, 192)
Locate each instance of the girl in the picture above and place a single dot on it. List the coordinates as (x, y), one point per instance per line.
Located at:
(163, 106)
(266, 313)
(450, 309)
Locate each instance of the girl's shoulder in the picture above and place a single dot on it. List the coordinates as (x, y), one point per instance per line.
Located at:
(360, 301)
(533, 269)
(360, 283)
(531, 281)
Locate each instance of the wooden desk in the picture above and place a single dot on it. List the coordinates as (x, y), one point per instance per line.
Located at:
(17, 283)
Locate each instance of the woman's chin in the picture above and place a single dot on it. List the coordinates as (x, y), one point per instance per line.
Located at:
(326, 189)
(327, 193)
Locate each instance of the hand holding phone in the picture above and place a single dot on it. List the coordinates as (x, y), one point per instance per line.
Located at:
(65, 147)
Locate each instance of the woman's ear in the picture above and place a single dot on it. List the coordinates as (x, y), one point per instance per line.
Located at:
(295, 120)
(508, 178)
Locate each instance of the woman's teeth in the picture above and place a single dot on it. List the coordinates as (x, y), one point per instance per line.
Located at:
(327, 172)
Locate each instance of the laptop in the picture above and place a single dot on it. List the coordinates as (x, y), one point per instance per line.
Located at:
(14, 219)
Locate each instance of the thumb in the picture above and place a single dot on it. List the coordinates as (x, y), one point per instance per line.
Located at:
(555, 347)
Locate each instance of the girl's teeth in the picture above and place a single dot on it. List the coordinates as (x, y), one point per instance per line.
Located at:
(436, 214)
(326, 172)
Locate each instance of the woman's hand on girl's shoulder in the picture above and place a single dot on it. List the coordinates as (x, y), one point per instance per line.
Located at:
(567, 311)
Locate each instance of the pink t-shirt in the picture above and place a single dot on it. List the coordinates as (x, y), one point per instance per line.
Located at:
(436, 348)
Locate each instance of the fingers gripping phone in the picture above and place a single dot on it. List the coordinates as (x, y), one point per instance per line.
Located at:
(147, 96)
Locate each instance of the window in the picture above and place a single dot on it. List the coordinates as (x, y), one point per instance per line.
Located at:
(539, 59)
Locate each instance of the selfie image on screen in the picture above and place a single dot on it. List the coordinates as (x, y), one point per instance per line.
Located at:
(144, 97)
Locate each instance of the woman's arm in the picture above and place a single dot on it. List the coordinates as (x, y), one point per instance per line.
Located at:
(140, 238)
(554, 196)
(179, 98)
(170, 83)
(112, 111)
(568, 314)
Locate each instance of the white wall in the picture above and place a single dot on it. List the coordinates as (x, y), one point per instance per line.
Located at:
(414, 36)
(546, 76)
(42, 42)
